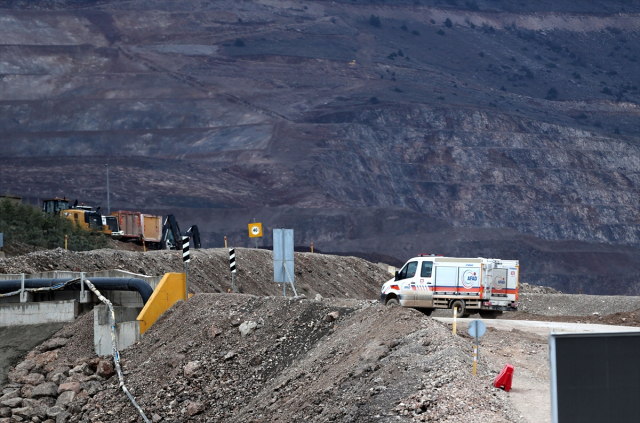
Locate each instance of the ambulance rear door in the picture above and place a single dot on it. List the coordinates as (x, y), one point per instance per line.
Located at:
(499, 284)
(513, 280)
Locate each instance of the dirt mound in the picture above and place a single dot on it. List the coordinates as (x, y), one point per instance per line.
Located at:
(526, 288)
(241, 358)
(575, 305)
(330, 276)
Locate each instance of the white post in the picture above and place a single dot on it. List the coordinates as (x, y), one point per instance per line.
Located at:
(23, 297)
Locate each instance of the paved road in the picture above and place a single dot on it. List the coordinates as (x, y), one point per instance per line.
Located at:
(542, 328)
(16, 341)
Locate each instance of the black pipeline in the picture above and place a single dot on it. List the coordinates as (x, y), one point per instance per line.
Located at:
(103, 284)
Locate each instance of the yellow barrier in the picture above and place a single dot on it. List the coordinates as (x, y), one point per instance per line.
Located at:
(171, 289)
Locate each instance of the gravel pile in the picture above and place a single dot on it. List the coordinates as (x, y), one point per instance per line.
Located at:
(575, 305)
(241, 358)
(526, 288)
(328, 275)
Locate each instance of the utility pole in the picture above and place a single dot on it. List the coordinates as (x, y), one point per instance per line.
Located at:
(108, 198)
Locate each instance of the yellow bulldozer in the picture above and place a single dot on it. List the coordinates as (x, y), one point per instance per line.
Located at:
(84, 216)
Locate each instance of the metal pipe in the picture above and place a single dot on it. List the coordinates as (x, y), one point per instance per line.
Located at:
(104, 284)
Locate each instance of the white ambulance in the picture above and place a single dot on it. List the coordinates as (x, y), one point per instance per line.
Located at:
(470, 285)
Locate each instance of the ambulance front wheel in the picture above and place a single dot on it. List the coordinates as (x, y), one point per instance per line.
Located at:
(393, 302)
(458, 305)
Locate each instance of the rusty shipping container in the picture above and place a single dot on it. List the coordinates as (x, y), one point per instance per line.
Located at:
(151, 227)
(130, 223)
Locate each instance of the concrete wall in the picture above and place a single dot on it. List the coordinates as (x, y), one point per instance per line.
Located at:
(38, 313)
(127, 328)
(17, 341)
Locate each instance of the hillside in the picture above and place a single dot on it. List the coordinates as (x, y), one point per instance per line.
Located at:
(394, 127)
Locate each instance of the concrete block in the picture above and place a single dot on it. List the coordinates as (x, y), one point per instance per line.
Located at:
(127, 328)
(12, 314)
(26, 297)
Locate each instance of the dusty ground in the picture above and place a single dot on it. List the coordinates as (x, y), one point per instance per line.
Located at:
(328, 275)
(333, 359)
(529, 355)
(347, 360)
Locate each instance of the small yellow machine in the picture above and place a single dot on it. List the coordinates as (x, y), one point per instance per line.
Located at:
(83, 215)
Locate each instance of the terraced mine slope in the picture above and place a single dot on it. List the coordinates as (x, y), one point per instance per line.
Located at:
(395, 127)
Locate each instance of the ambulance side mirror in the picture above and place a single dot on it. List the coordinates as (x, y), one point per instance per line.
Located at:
(396, 277)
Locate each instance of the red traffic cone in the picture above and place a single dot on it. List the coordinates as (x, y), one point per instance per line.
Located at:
(504, 378)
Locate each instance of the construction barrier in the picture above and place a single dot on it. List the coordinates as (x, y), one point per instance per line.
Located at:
(503, 380)
(171, 289)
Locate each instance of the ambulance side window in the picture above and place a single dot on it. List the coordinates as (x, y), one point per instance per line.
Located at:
(408, 271)
(411, 269)
(425, 272)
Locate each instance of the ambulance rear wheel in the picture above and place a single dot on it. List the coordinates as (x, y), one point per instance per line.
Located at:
(393, 302)
(458, 305)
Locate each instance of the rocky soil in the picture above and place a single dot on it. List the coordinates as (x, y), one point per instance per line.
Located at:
(332, 354)
(526, 288)
(576, 305)
(241, 358)
(328, 275)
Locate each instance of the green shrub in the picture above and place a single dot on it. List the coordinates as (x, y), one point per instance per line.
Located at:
(404, 27)
(440, 32)
(239, 42)
(375, 21)
(448, 23)
(28, 225)
(552, 94)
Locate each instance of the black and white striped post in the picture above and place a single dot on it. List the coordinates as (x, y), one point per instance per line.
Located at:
(186, 258)
(232, 266)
